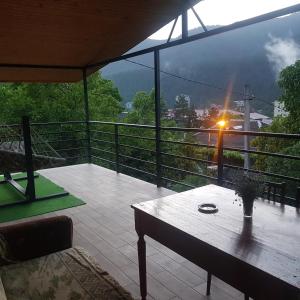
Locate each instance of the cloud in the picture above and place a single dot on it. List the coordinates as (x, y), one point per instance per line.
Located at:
(282, 52)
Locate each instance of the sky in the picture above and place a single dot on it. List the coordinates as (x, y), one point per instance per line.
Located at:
(224, 12)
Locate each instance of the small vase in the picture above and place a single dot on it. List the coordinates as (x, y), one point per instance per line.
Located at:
(248, 208)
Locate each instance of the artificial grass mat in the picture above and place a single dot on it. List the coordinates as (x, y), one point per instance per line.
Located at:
(43, 187)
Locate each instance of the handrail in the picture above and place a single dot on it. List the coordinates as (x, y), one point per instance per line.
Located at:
(57, 123)
(236, 132)
(123, 154)
(123, 124)
(196, 130)
(263, 153)
(220, 148)
(216, 131)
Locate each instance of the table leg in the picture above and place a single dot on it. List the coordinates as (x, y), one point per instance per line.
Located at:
(208, 283)
(142, 266)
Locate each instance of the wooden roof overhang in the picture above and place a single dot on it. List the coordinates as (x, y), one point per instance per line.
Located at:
(52, 41)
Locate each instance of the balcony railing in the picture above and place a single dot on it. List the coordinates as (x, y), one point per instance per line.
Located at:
(166, 159)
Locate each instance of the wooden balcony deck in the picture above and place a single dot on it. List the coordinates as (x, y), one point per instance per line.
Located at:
(105, 227)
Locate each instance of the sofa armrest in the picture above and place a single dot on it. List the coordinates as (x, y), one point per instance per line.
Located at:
(37, 238)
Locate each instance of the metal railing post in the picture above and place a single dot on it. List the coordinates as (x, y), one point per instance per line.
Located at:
(157, 116)
(298, 197)
(87, 115)
(184, 25)
(220, 157)
(30, 189)
(117, 148)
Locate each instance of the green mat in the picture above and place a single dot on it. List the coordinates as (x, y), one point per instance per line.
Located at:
(43, 187)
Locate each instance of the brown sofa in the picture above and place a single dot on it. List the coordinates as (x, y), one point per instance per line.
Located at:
(40, 263)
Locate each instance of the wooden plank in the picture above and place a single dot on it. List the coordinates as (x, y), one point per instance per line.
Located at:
(108, 196)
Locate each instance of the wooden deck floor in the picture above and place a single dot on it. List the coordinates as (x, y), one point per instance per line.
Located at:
(105, 227)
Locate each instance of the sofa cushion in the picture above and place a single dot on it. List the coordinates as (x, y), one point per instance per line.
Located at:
(2, 291)
(4, 252)
(3, 249)
(67, 275)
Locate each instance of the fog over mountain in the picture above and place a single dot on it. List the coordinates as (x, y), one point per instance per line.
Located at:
(254, 55)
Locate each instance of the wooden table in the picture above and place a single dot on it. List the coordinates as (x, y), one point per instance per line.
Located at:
(261, 258)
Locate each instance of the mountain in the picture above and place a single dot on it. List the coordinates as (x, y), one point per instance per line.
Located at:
(252, 55)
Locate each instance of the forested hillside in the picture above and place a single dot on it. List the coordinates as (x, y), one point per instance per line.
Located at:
(252, 55)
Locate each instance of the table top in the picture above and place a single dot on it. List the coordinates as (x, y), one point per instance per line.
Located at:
(270, 242)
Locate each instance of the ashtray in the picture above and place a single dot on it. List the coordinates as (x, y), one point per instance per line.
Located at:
(208, 208)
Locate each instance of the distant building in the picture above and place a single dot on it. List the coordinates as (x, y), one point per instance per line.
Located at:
(123, 115)
(170, 114)
(128, 106)
(231, 112)
(238, 124)
(201, 112)
(279, 109)
(236, 118)
(261, 120)
(240, 105)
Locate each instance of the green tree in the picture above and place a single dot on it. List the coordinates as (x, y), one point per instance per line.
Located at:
(59, 101)
(284, 166)
(144, 113)
(289, 82)
(185, 114)
(143, 105)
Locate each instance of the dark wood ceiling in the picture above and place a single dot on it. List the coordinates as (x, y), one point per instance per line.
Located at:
(74, 33)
